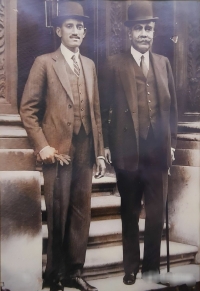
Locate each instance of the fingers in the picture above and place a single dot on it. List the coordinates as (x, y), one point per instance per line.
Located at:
(108, 159)
(47, 155)
(101, 169)
(49, 160)
(172, 155)
(108, 155)
(63, 159)
(97, 172)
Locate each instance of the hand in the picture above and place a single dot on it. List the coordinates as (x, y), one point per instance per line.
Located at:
(172, 154)
(108, 155)
(101, 168)
(48, 155)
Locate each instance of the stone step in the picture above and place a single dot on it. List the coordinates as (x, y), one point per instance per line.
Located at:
(12, 133)
(191, 117)
(101, 207)
(14, 142)
(188, 141)
(187, 157)
(17, 160)
(10, 119)
(108, 260)
(187, 127)
(116, 282)
(103, 233)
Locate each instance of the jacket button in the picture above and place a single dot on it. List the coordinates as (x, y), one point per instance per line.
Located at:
(125, 128)
(126, 110)
(81, 109)
(68, 123)
(69, 106)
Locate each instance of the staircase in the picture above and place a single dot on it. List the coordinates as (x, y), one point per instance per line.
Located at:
(104, 253)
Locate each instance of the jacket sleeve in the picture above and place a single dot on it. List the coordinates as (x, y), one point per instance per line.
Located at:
(97, 114)
(173, 106)
(106, 90)
(33, 104)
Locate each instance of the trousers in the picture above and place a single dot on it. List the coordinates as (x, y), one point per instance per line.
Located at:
(67, 191)
(149, 181)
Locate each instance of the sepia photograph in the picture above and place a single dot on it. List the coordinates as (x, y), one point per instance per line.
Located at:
(99, 145)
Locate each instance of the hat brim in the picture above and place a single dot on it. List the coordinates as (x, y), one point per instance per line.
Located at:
(58, 19)
(130, 23)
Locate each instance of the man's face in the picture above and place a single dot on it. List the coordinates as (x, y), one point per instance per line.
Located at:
(141, 36)
(72, 33)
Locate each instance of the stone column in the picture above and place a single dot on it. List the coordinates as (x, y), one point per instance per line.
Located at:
(21, 235)
(8, 56)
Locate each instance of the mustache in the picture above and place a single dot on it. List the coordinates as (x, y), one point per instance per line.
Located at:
(144, 41)
(74, 36)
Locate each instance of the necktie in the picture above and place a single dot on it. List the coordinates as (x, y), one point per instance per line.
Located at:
(143, 67)
(76, 67)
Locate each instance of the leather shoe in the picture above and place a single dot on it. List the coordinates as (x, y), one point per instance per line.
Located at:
(129, 279)
(54, 285)
(79, 283)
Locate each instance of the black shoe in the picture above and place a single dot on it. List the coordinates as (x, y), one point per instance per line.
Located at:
(129, 279)
(79, 283)
(54, 285)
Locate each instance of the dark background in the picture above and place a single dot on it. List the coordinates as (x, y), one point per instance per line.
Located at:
(35, 39)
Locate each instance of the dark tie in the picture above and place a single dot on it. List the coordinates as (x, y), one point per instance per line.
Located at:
(143, 66)
(76, 67)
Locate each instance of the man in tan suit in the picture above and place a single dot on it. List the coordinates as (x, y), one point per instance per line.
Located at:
(60, 111)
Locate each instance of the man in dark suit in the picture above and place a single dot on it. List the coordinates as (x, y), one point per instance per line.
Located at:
(139, 113)
(61, 113)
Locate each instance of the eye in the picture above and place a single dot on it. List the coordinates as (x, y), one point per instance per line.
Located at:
(137, 27)
(69, 25)
(149, 28)
(80, 26)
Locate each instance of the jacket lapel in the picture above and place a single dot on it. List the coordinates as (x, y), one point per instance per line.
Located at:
(89, 77)
(127, 76)
(60, 69)
(161, 80)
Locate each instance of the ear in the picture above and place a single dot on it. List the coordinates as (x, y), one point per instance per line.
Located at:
(58, 31)
(129, 33)
(85, 32)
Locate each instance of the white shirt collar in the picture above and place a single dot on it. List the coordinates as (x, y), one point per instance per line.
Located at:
(69, 54)
(137, 56)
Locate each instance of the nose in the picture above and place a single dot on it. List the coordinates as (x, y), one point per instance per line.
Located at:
(74, 30)
(143, 32)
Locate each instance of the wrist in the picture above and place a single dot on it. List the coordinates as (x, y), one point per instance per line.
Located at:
(101, 157)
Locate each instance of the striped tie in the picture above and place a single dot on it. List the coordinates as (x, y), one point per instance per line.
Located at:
(76, 67)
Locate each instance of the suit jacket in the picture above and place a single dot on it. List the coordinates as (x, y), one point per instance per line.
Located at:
(47, 104)
(118, 93)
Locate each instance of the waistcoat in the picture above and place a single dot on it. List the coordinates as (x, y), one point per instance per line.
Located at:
(81, 103)
(148, 107)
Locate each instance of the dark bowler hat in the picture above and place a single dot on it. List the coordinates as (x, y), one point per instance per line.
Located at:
(140, 11)
(69, 9)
